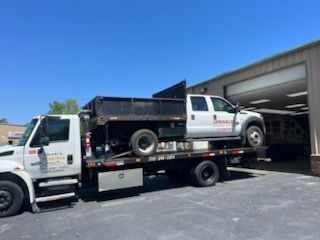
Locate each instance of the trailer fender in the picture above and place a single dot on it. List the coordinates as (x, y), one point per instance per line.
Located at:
(14, 171)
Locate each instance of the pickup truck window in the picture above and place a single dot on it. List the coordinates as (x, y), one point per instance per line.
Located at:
(199, 104)
(58, 130)
(222, 106)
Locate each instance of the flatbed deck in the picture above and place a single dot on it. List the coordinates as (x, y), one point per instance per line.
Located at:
(113, 161)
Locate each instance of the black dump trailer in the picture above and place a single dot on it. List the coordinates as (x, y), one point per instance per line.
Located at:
(139, 123)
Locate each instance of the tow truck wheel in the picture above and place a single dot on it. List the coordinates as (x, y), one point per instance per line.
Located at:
(205, 174)
(255, 137)
(11, 198)
(144, 142)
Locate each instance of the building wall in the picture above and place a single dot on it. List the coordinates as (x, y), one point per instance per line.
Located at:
(5, 128)
(308, 54)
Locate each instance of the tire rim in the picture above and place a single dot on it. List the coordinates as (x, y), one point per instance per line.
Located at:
(5, 199)
(145, 144)
(207, 174)
(255, 137)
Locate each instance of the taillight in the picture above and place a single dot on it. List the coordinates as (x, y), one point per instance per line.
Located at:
(88, 146)
(88, 142)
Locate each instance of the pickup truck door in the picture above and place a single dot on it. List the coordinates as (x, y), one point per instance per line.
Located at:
(199, 117)
(227, 121)
(57, 158)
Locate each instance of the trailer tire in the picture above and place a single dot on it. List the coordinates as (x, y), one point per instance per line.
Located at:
(11, 198)
(255, 136)
(144, 142)
(205, 174)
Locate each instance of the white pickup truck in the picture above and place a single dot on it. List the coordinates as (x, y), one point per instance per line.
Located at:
(215, 117)
(138, 124)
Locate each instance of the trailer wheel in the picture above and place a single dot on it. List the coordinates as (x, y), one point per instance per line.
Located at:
(205, 174)
(144, 142)
(255, 136)
(11, 198)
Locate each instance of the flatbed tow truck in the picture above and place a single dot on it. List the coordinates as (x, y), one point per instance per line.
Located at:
(59, 155)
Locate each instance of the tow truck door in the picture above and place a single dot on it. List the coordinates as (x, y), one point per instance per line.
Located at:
(56, 159)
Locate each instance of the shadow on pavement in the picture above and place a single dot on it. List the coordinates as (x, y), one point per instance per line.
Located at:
(301, 166)
(239, 175)
(151, 184)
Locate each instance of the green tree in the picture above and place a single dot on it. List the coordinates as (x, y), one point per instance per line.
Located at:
(3, 120)
(69, 106)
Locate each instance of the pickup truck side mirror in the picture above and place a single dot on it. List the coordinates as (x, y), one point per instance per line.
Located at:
(237, 107)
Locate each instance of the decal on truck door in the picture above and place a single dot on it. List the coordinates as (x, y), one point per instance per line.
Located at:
(51, 160)
(224, 125)
(225, 117)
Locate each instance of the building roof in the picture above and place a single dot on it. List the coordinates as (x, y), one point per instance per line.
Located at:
(280, 54)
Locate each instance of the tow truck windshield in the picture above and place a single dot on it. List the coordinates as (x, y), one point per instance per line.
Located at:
(27, 132)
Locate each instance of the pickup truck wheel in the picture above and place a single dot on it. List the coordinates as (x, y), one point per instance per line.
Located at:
(144, 142)
(255, 137)
(11, 198)
(205, 174)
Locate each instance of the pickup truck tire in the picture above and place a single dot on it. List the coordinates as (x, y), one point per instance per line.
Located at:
(255, 136)
(11, 198)
(144, 142)
(205, 174)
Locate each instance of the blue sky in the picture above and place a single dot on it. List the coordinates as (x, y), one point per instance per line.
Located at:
(52, 50)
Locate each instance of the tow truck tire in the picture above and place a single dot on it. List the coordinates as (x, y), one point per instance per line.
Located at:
(144, 142)
(205, 174)
(11, 198)
(255, 136)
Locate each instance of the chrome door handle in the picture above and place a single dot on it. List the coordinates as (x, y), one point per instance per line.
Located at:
(193, 117)
(214, 117)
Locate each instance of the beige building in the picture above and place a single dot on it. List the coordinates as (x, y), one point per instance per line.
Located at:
(285, 88)
(10, 133)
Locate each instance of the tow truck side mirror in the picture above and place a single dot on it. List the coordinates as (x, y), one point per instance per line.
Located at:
(44, 139)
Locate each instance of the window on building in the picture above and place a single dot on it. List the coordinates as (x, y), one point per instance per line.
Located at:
(199, 104)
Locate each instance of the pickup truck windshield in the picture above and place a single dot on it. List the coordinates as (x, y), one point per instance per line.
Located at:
(27, 132)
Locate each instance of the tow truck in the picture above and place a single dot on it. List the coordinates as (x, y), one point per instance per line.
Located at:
(58, 155)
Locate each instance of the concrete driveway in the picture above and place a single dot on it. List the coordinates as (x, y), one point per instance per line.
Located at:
(252, 204)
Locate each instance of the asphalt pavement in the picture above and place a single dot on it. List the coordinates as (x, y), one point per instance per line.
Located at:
(252, 204)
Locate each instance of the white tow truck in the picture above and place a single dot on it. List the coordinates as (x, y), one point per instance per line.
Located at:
(58, 155)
